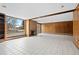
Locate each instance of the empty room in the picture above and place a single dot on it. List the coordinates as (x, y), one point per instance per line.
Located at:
(39, 29)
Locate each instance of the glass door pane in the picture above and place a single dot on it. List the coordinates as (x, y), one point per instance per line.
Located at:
(19, 26)
(15, 26)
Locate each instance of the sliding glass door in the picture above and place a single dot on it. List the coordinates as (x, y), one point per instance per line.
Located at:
(15, 26)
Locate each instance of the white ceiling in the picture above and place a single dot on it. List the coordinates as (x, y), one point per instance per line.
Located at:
(57, 18)
(29, 10)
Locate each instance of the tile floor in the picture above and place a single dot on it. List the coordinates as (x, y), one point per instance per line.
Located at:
(43, 44)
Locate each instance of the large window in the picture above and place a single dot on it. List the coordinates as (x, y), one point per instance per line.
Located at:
(15, 26)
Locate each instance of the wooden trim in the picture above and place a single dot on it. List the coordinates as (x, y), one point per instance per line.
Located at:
(5, 29)
(54, 14)
(28, 28)
(56, 22)
(40, 28)
(25, 27)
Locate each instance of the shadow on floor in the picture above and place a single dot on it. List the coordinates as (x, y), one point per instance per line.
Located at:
(12, 38)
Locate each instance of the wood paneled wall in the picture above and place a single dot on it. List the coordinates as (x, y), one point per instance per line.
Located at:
(2, 26)
(58, 27)
(33, 27)
(29, 26)
(76, 26)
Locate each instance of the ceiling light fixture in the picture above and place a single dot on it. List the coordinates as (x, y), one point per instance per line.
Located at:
(62, 6)
(4, 6)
